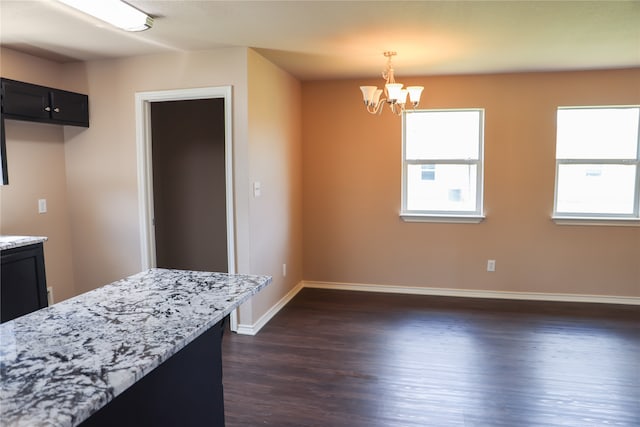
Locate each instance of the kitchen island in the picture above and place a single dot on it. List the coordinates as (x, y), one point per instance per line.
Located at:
(135, 352)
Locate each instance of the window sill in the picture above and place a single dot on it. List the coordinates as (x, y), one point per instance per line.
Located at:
(614, 222)
(460, 219)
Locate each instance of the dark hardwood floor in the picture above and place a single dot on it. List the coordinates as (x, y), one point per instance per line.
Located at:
(339, 358)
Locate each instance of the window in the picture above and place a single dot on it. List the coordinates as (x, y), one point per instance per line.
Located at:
(442, 165)
(597, 163)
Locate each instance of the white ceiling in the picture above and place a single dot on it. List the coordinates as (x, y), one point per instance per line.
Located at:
(344, 39)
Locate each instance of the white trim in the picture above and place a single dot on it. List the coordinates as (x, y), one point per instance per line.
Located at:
(145, 172)
(475, 216)
(597, 218)
(611, 222)
(255, 328)
(469, 293)
(461, 219)
(145, 178)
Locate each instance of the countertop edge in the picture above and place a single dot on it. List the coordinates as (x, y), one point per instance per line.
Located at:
(12, 242)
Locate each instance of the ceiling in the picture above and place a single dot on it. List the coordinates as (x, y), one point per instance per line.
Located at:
(346, 39)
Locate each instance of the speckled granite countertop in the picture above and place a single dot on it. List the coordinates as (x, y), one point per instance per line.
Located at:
(61, 364)
(10, 242)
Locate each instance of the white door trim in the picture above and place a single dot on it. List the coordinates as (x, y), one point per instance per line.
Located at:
(145, 172)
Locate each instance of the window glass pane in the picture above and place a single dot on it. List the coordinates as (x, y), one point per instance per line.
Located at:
(597, 133)
(596, 188)
(442, 135)
(449, 188)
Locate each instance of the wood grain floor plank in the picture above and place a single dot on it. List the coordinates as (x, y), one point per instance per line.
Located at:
(339, 358)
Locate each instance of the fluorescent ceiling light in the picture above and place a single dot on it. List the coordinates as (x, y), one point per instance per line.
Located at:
(114, 12)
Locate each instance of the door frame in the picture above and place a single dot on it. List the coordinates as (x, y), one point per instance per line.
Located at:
(145, 169)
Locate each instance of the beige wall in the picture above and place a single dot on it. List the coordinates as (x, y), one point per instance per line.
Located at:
(36, 166)
(102, 162)
(101, 166)
(352, 172)
(275, 160)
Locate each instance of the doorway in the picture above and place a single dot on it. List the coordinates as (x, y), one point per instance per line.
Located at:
(188, 133)
(189, 199)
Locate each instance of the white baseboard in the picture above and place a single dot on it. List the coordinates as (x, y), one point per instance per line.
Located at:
(469, 293)
(246, 329)
(253, 329)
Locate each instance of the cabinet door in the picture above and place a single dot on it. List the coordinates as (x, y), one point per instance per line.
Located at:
(23, 288)
(26, 101)
(70, 107)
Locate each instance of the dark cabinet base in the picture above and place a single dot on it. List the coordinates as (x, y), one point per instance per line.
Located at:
(23, 285)
(185, 391)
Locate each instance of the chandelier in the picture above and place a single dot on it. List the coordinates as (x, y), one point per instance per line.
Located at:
(395, 95)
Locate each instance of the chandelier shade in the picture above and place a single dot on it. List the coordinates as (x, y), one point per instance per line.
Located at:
(368, 93)
(414, 94)
(394, 91)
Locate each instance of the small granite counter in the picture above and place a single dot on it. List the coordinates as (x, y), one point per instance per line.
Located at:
(11, 242)
(61, 364)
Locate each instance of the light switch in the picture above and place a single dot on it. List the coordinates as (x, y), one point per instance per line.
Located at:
(42, 206)
(257, 189)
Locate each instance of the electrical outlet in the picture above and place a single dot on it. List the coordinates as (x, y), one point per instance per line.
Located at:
(42, 206)
(284, 270)
(491, 265)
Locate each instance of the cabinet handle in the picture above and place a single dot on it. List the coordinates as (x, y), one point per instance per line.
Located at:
(47, 108)
(56, 110)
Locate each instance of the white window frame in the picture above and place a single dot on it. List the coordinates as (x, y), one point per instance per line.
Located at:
(596, 218)
(474, 216)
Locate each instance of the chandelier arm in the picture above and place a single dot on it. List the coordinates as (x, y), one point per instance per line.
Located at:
(397, 111)
(380, 105)
(377, 109)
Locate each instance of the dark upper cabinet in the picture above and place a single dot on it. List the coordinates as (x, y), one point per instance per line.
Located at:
(26, 101)
(70, 108)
